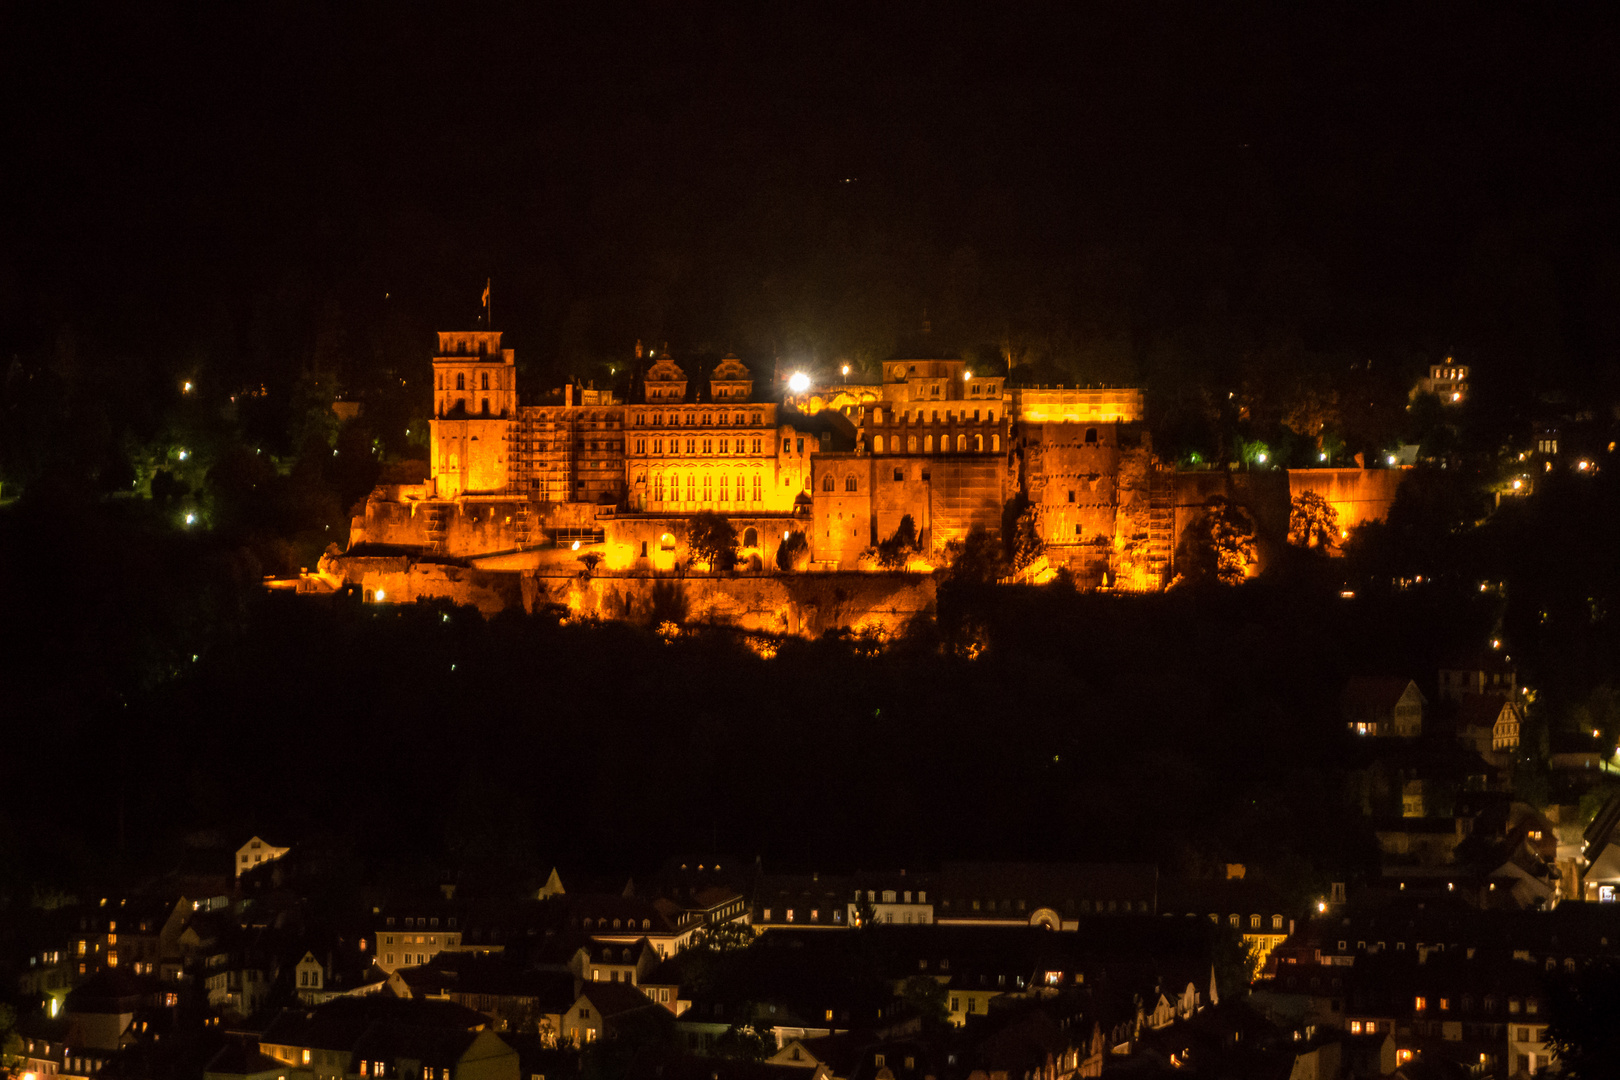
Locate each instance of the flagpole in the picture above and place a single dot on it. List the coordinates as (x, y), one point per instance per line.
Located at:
(489, 307)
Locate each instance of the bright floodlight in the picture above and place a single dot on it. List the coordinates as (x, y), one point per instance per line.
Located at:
(576, 545)
(191, 519)
(186, 389)
(845, 369)
(1261, 457)
(381, 596)
(799, 383)
(1391, 459)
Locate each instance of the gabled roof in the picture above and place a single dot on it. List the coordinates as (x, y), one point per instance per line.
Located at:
(1601, 832)
(389, 1040)
(1481, 710)
(242, 1059)
(1381, 692)
(612, 999)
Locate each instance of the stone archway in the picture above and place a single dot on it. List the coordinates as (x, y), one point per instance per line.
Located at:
(1045, 917)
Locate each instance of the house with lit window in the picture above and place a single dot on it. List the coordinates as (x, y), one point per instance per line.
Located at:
(1600, 851)
(607, 961)
(1488, 723)
(256, 852)
(243, 1060)
(604, 1010)
(1447, 381)
(411, 937)
(1238, 902)
(1383, 707)
(381, 1037)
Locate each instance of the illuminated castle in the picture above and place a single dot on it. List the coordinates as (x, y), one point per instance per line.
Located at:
(515, 485)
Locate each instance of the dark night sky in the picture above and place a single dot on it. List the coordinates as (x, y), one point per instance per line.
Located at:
(1129, 191)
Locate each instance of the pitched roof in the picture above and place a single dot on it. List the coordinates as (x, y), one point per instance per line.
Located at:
(242, 1059)
(1481, 710)
(615, 998)
(1376, 691)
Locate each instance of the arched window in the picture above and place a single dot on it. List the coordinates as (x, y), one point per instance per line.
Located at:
(665, 543)
(995, 442)
(759, 488)
(961, 443)
(849, 483)
(827, 484)
(658, 487)
(708, 491)
(978, 442)
(691, 487)
(877, 416)
(461, 381)
(725, 493)
(750, 534)
(928, 443)
(911, 443)
(1091, 435)
(877, 444)
(485, 407)
(483, 381)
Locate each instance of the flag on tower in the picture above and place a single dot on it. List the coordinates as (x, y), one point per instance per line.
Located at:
(486, 294)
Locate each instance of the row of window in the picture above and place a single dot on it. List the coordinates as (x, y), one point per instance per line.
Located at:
(963, 444)
(703, 446)
(424, 922)
(707, 488)
(922, 416)
(461, 380)
(702, 419)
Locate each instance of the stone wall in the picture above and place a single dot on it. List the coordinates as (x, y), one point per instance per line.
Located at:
(803, 604)
(1359, 495)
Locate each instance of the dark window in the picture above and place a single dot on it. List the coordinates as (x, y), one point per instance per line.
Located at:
(483, 381)
(461, 381)
(899, 475)
(1091, 435)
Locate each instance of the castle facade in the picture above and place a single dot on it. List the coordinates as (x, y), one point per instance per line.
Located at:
(518, 486)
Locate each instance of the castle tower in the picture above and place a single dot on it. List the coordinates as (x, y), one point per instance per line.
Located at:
(474, 404)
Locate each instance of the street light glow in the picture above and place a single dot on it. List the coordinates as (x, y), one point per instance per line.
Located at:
(845, 370)
(799, 383)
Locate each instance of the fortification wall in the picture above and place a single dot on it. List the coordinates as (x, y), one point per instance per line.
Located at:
(400, 580)
(1359, 495)
(803, 604)
(471, 526)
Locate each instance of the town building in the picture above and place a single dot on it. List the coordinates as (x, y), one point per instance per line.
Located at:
(1383, 707)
